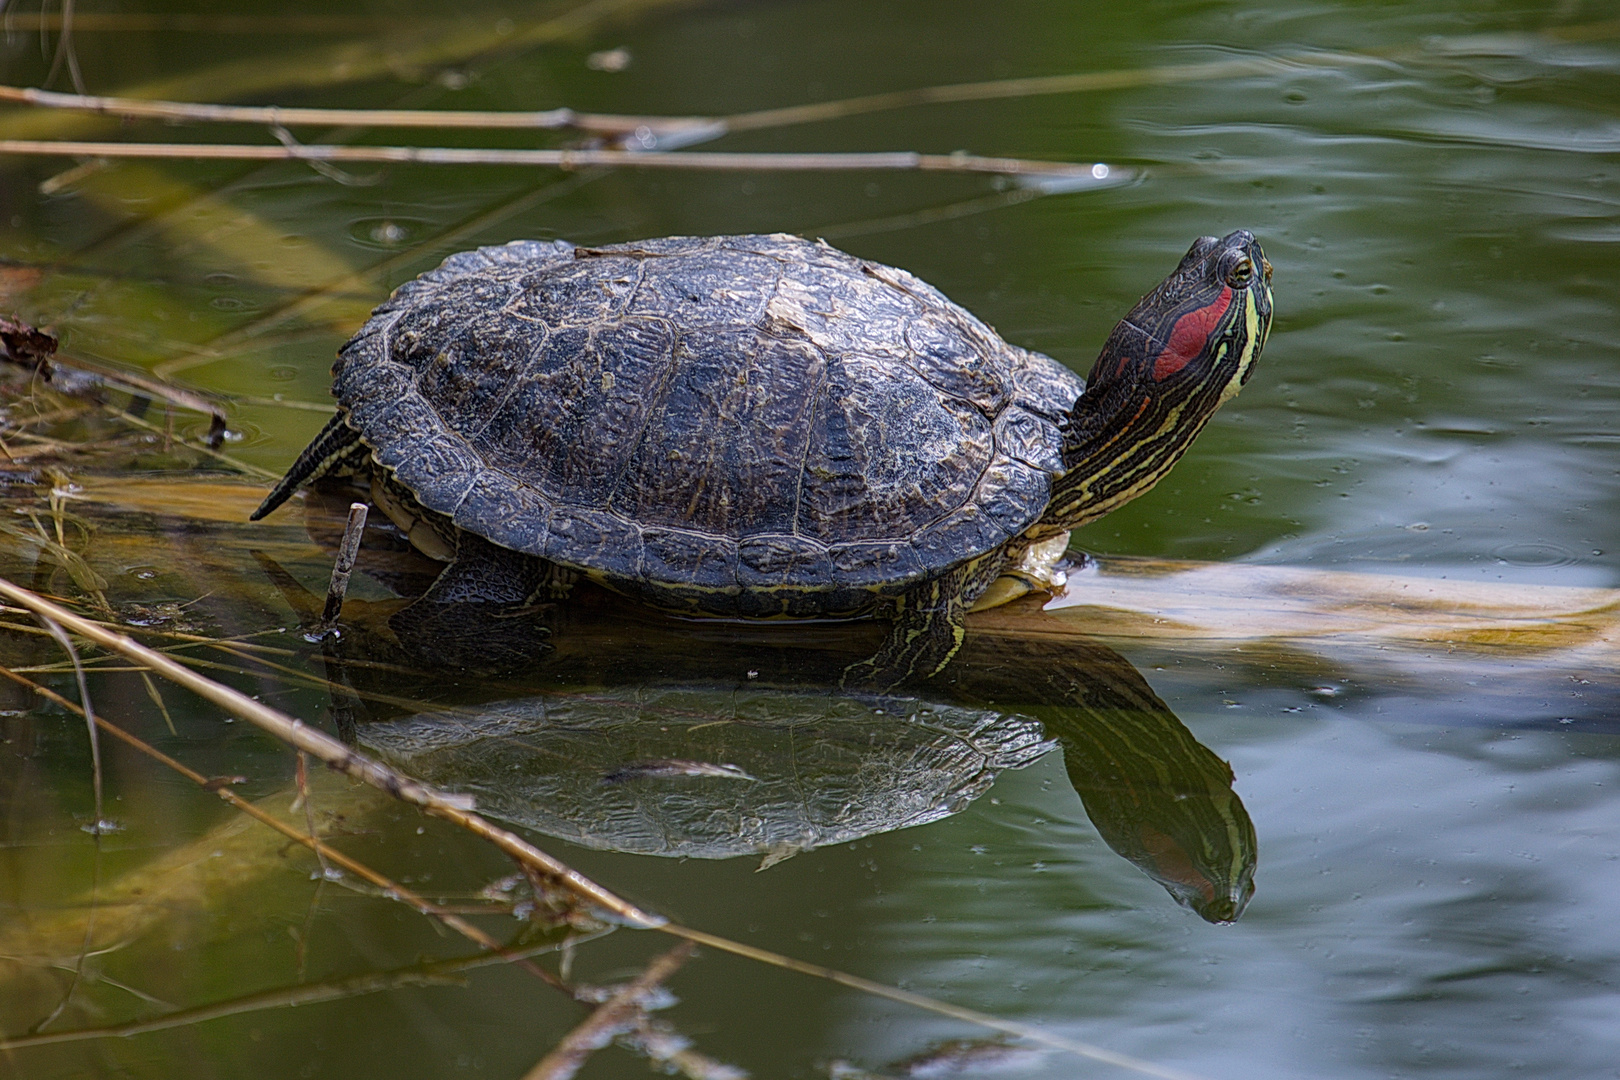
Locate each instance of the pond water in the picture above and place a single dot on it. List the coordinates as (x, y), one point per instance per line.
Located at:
(1435, 854)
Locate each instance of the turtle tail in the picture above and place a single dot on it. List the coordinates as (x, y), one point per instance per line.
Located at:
(336, 443)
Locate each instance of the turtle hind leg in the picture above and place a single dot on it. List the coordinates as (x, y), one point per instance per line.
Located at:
(928, 630)
(333, 448)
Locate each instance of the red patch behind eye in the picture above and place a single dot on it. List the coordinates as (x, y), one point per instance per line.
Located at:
(1187, 340)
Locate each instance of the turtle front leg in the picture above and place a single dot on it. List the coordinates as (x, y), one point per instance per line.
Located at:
(928, 629)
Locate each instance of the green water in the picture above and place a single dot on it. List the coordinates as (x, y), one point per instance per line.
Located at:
(1438, 188)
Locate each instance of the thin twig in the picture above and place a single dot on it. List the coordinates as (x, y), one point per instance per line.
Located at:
(235, 463)
(901, 160)
(322, 407)
(303, 799)
(1037, 86)
(218, 348)
(275, 115)
(157, 699)
(136, 383)
(614, 1016)
(931, 215)
(241, 641)
(288, 676)
(1125, 78)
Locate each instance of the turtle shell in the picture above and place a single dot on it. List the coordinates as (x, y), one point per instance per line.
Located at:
(743, 425)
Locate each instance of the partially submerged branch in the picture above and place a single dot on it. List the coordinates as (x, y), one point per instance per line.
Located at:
(343, 567)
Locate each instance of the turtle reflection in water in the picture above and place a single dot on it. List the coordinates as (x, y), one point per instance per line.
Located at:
(762, 427)
(714, 770)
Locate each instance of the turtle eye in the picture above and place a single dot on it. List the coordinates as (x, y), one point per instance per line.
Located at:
(1241, 274)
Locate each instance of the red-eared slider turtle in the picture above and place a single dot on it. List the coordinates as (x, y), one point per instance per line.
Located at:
(763, 427)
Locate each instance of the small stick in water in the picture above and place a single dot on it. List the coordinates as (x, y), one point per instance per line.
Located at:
(347, 553)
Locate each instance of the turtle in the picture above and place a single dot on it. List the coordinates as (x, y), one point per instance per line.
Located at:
(763, 427)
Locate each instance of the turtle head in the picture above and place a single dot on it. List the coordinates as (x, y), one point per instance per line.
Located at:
(1201, 329)
(1182, 351)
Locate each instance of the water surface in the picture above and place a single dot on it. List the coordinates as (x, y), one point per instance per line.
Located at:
(1438, 849)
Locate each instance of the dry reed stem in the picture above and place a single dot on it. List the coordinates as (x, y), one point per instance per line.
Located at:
(901, 160)
(612, 1017)
(421, 47)
(545, 120)
(340, 757)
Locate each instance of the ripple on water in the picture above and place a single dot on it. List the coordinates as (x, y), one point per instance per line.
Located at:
(385, 232)
(1535, 553)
